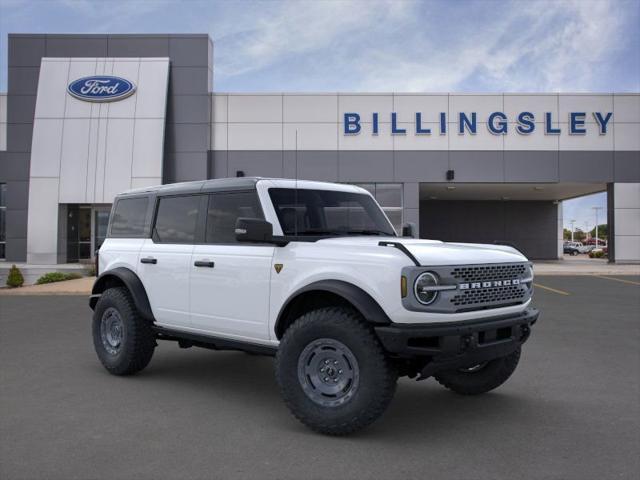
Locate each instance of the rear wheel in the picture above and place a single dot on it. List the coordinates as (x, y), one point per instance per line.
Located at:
(122, 339)
(480, 378)
(333, 373)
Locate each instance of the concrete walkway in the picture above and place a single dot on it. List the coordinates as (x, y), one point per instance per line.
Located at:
(583, 265)
(81, 286)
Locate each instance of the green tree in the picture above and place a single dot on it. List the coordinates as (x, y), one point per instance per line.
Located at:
(15, 278)
(603, 231)
(578, 235)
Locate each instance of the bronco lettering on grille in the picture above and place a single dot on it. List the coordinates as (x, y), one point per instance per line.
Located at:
(489, 284)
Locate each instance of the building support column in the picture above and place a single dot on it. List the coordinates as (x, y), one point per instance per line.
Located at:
(623, 209)
(411, 206)
(560, 236)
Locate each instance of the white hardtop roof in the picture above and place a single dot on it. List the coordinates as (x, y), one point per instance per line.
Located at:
(242, 183)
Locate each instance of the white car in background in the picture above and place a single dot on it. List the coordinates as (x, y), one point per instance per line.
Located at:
(579, 246)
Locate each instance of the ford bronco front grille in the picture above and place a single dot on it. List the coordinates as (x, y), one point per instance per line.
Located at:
(466, 288)
(510, 295)
(479, 273)
(490, 286)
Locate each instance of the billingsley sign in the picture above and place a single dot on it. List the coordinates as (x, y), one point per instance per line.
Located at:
(497, 123)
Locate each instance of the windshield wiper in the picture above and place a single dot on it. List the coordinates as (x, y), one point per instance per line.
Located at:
(369, 232)
(317, 232)
(320, 232)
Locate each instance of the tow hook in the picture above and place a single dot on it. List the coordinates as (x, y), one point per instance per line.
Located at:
(526, 331)
(469, 342)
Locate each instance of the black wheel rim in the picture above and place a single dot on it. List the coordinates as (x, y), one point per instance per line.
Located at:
(328, 372)
(111, 330)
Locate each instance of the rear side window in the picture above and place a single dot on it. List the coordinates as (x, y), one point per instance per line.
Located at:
(129, 217)
(177, 219)
(224, 209)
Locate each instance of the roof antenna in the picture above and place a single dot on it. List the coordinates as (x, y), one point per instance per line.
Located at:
(295, 202)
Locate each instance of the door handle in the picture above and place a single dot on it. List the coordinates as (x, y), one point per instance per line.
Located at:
(203, 263)
(149, 260)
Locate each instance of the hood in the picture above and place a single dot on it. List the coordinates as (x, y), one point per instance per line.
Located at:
(434, 252)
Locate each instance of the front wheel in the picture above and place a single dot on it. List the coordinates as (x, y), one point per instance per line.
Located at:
(122, 339)
(480, 378)
(333, 373)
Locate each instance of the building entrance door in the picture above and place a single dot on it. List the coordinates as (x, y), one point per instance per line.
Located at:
(100, 222)
(78, 233)
(86, 230)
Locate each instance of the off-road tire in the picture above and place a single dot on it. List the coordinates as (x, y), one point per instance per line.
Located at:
(137, 343)
(377, 374)
(490, 376)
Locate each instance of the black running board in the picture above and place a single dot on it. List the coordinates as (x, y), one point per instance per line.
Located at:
(188, 339)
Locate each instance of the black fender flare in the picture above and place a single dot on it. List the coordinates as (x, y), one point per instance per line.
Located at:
(133, 284)
(356, 296)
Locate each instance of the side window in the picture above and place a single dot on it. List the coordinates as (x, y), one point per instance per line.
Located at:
(176, 219)
(129, 216)
(224, 210)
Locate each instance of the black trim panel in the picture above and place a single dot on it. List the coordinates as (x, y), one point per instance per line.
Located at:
(188, 339)
(400, 246)
(361, 300)
(454, 345)
(132, 282)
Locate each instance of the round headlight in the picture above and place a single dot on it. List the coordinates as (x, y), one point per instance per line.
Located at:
(422, 290)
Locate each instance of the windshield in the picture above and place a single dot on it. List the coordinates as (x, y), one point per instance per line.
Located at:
(327, 212)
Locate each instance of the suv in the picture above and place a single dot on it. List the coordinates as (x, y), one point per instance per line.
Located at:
(570, 248)
(314, 274)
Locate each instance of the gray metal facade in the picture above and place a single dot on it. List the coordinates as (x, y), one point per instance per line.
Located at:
(431, 165)
(188, 113)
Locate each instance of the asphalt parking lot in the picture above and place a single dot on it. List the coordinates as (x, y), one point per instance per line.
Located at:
(571, 410)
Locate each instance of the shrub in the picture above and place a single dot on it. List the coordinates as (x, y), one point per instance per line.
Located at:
(15, 278)
(90, 270)
(596, 254)
(52, 277)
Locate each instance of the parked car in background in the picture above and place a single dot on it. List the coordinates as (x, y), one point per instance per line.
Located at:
(577, 247)
(592, 241)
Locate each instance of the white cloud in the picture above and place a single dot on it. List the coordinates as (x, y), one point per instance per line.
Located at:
(271, 34)
(377, 45)
(533, 46)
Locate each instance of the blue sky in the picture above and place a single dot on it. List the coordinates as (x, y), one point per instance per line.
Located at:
(370, 45)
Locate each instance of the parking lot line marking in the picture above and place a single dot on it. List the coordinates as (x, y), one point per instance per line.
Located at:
(618, 279)
(544, 287)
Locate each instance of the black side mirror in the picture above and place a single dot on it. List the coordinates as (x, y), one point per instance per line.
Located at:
(409, 230)
(254, 230)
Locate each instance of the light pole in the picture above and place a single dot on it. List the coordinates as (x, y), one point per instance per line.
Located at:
(572, 222)
(596, 210)
(586, 231)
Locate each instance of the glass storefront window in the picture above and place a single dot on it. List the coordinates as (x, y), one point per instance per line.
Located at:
(86, 230)
(101, 225)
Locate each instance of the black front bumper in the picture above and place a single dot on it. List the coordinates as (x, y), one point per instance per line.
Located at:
(448, 346)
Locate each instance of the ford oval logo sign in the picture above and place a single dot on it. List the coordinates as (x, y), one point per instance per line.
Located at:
(101, 88)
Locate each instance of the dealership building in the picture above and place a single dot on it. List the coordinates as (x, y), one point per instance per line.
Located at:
(88, 116)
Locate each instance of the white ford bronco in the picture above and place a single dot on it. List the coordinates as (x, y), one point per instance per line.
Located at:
(314, 274)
